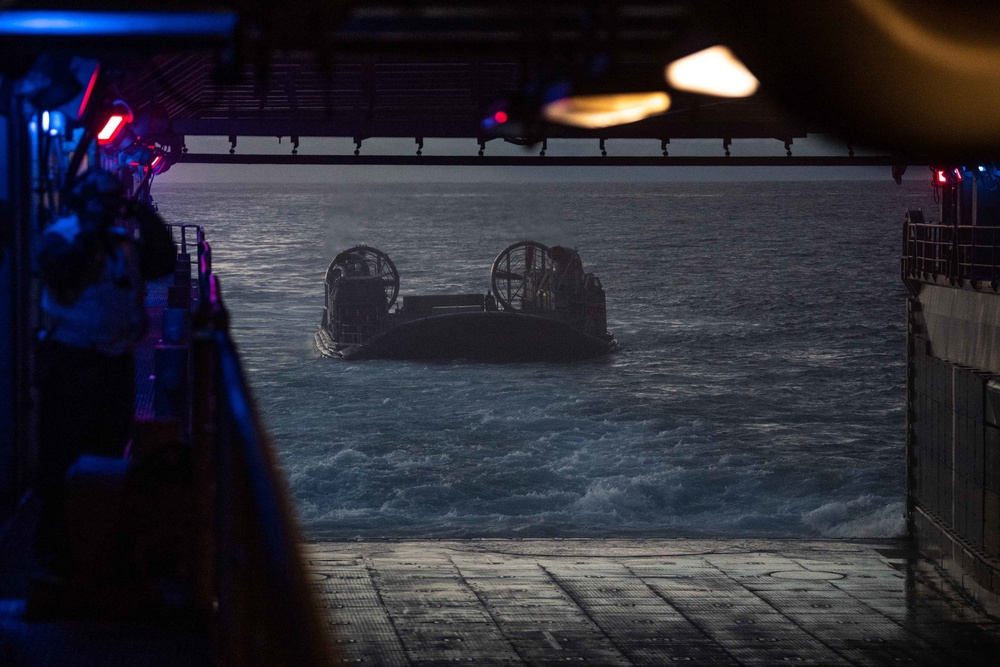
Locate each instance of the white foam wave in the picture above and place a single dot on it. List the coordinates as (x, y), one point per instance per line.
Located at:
(865, 516)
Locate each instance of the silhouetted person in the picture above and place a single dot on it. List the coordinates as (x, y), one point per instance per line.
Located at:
(93, 270)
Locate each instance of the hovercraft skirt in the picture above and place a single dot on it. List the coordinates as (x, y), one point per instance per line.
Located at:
(480, 336)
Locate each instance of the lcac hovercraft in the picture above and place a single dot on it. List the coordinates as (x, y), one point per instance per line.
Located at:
(541, 306)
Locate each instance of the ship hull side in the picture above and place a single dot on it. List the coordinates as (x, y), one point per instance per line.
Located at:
(953, 434)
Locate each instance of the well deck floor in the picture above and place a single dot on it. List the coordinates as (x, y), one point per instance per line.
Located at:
(645, 602)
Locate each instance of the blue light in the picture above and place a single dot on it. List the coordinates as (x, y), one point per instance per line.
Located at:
(488, 123)
(982, 169)
(53, 122)
(115, 24)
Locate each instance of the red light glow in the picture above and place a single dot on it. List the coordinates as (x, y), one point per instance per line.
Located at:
(156, 161)
(500, 116)
(110, 129)
(90, 89)
(941, 177)
(958, 176)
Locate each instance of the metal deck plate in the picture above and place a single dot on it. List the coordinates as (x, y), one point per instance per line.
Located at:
(644, 602)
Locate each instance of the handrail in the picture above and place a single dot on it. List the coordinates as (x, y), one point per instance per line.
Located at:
(956, 253)
(252, 580)
(203, 256)
(263, 591)
(199, 235)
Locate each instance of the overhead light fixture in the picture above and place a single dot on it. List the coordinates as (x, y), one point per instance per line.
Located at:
(128, 23)
(111, 128)
(598, 111)
(113, 122)
(713, 71)
(160, 164)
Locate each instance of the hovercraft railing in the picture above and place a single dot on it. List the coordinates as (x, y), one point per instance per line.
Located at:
(251, 581)
(957, 254)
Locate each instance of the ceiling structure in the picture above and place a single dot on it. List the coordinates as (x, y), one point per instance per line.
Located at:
(380, 96)
(915, 77)
(436, 70)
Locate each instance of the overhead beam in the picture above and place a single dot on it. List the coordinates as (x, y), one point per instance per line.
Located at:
(549, 161)
(429, 125)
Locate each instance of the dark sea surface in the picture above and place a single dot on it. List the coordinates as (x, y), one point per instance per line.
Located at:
(760, 391)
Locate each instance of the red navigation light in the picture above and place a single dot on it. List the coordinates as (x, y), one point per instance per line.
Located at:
(958, 175)
(156, 160)
(941, 177)
(500, 117)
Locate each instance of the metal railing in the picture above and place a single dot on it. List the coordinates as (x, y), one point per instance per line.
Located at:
(252, 580)
(187, 236)
(356, 334)
(953, 252)
(266, 611)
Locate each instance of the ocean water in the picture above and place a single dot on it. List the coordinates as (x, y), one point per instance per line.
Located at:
(760, 391)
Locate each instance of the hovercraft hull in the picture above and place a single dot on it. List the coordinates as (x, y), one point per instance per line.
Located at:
(496, 337)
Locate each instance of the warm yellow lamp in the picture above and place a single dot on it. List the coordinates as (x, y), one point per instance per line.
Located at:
(713, 71)
(597, 111)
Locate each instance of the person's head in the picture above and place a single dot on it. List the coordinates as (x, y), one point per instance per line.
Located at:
(97, 197)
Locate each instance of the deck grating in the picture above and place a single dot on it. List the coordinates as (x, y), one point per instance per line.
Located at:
(644, 602)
